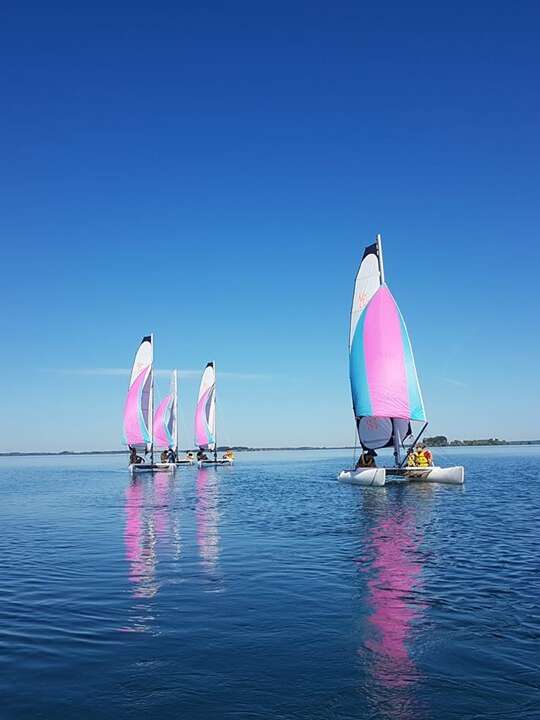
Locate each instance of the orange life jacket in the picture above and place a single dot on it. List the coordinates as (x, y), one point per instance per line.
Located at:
(423, 458)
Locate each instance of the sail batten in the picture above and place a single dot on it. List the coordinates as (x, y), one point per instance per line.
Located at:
(384, 384)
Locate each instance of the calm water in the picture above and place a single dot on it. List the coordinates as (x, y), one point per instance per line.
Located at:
(268, 590)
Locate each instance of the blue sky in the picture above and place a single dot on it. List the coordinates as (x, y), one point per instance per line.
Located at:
(212, 175)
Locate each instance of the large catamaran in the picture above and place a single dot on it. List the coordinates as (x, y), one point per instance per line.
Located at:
(205, 418)
(139, 410)
(385, 390)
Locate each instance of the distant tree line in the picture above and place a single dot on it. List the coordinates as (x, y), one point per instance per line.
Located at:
(442, 441)
(436, 441)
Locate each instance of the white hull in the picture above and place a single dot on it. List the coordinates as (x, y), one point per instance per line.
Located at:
(185, 462)
(369, 477)
(451, 475)
(208, 463)
(135, 469)
(376, 477)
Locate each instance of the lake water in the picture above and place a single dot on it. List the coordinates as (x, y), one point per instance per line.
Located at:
(268, 590)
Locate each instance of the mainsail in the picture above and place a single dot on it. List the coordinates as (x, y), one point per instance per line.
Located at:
(166, 418)
(139, 402)
(205, 413)
(384, 384)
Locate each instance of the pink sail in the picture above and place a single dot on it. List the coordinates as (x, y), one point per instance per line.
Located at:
(162, 433)
(135, 430)
(384, 358)
(138, 409)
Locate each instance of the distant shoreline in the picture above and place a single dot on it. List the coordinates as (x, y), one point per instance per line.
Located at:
(241, 448)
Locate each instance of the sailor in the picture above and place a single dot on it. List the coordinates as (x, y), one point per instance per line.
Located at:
(171, 456)
(201, 455)
(411, 459)
(134, 459)
(366, 459)
(189, 456)
(422, 457)
(228, 455)
(164, 456)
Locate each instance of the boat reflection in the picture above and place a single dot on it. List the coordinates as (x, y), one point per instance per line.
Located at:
(393, 562)
(207, 518)
(148, 523)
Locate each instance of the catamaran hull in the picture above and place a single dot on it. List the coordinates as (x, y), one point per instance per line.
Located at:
(450, 475)
(369, 477)
(185, 462)
(377, 477)
(209, 463)
(135, 469)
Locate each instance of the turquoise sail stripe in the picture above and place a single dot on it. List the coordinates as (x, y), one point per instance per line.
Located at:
(357, 371)
(416, 405)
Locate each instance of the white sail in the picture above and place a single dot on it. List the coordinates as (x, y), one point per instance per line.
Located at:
(205, 413)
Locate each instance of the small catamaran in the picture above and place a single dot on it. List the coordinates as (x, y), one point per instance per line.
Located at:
(138, 410)
(205, 417)
(384, 385)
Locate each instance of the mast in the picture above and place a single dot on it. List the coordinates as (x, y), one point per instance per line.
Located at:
(378, 240)
(151, 403)
(175, 376)
(397, 441)
(215, 411)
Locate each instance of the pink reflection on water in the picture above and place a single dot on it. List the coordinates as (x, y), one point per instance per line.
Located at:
(207, 517)
(139, 539)
(391, 589)
(133, 528)
(161, 508)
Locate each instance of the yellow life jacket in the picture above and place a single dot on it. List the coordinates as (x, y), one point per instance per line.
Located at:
(421, 459)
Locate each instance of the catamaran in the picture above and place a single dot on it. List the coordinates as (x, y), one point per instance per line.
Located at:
(166, 423)
(385, 390)
(205, 418)
(138, 410)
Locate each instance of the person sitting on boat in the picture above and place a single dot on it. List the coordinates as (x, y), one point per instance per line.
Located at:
(189, 456)
(421, 457)
(228, 455)
(171, 456)
(134, 459)
(366, 459)
(201, 455)
(164, 458)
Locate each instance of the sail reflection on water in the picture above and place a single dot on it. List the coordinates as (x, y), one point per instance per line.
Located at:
(393, 562)
(140, 541)
(149, 526)
(207, 517)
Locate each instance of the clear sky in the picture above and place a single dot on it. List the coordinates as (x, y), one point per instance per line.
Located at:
(212, 173)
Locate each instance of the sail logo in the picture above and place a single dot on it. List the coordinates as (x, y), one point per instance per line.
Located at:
(362, 300)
